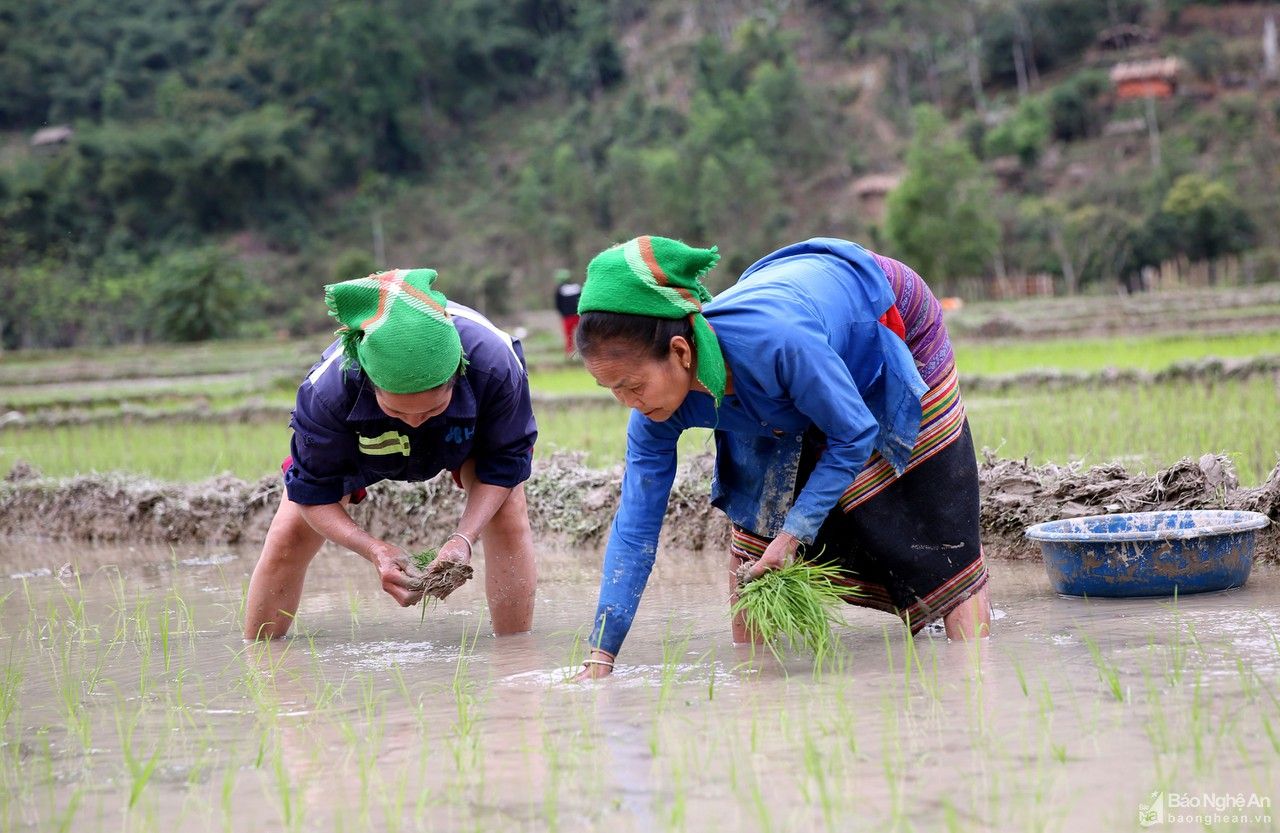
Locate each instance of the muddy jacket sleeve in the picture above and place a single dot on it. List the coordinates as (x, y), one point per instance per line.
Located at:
(822, 388)
(324, 449)
(633, 538)
(506, 430)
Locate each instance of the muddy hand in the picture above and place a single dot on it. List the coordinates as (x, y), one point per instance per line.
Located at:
(450, 569)
(398, 577)
(454, 550)
(779, 552)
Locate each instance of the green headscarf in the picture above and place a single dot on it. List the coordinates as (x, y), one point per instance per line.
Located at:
(394, 325)
(660, 278)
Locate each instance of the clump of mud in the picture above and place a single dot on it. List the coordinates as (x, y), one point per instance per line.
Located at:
(21, 471)
(572, 504)
(1200, 371)
(1015, 495)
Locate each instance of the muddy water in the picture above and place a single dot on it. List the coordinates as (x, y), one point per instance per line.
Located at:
(130, 703)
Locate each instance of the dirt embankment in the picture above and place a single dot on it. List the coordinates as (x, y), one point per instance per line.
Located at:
(574, 504)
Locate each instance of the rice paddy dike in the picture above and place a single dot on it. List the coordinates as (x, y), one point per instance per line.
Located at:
(140, 483)
(572, 504)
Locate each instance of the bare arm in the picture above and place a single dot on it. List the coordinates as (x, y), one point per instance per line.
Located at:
(332, 521)
(483, 502)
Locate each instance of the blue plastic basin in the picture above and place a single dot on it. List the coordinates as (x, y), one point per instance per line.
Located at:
(1149, 553)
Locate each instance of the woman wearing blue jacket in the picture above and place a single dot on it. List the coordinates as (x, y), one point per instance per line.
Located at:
(829, 379)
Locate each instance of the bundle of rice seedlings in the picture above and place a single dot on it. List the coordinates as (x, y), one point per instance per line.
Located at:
(798, 603)
(422, 560)
(439, 584)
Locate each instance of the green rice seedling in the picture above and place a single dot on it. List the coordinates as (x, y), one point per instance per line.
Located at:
(1108, 673)
(466, 744)
(578, 650)
(1272, 734)
(1156, 726)
(551, 793)
(162, 629)
(66, 818)
(912, 663)
(71, 693)
(394, 795)
(672, 650)
(760, 804)
(711, 677)
(289, 792)
(353, 608)
(185, 617)
(818, 768)
(140, 771)
(422, 560)
(797, 603)
(226, 794)
(10, 682)
(677, 810)
(1021, 675)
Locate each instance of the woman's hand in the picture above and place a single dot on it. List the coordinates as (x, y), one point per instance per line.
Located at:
(597, 666)
(777, 555)
(398, 579)
(455, 549)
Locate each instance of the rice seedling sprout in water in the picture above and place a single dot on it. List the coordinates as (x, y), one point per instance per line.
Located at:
(798, 603)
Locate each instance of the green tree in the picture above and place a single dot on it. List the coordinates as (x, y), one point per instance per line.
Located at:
(1024, 134)
(1102, 240)
(937, 218)
(1073, 105)
(198, 295)
(1209, 218)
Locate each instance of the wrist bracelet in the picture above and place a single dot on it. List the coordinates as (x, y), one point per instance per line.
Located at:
(465, 539)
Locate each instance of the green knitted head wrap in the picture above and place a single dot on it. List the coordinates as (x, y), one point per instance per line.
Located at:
(660, 278)
(395, 327)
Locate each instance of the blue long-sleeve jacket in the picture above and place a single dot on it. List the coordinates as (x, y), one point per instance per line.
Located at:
(801, 335)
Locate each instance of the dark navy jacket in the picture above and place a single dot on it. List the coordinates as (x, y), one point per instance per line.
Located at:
(342, 440)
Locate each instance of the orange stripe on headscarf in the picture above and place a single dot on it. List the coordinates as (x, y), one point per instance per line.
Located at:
(388, 280)
(645, 244)
(413, 291)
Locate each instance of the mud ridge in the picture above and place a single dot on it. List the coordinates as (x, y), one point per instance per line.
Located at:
(1203, 371)
(573, 505)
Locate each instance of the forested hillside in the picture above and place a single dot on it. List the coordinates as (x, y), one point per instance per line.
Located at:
(228, 157)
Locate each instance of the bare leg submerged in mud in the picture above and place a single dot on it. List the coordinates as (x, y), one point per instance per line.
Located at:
(275, 589)
(971, 618)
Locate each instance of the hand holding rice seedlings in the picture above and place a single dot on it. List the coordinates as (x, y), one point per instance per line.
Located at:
(443, 580)
(798, 602)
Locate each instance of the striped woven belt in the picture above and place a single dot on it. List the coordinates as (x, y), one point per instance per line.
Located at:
(941, 421)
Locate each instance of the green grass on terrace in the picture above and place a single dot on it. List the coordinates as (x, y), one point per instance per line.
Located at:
(1145, 428)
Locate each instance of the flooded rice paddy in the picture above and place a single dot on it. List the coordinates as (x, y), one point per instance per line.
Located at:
(130, 703)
